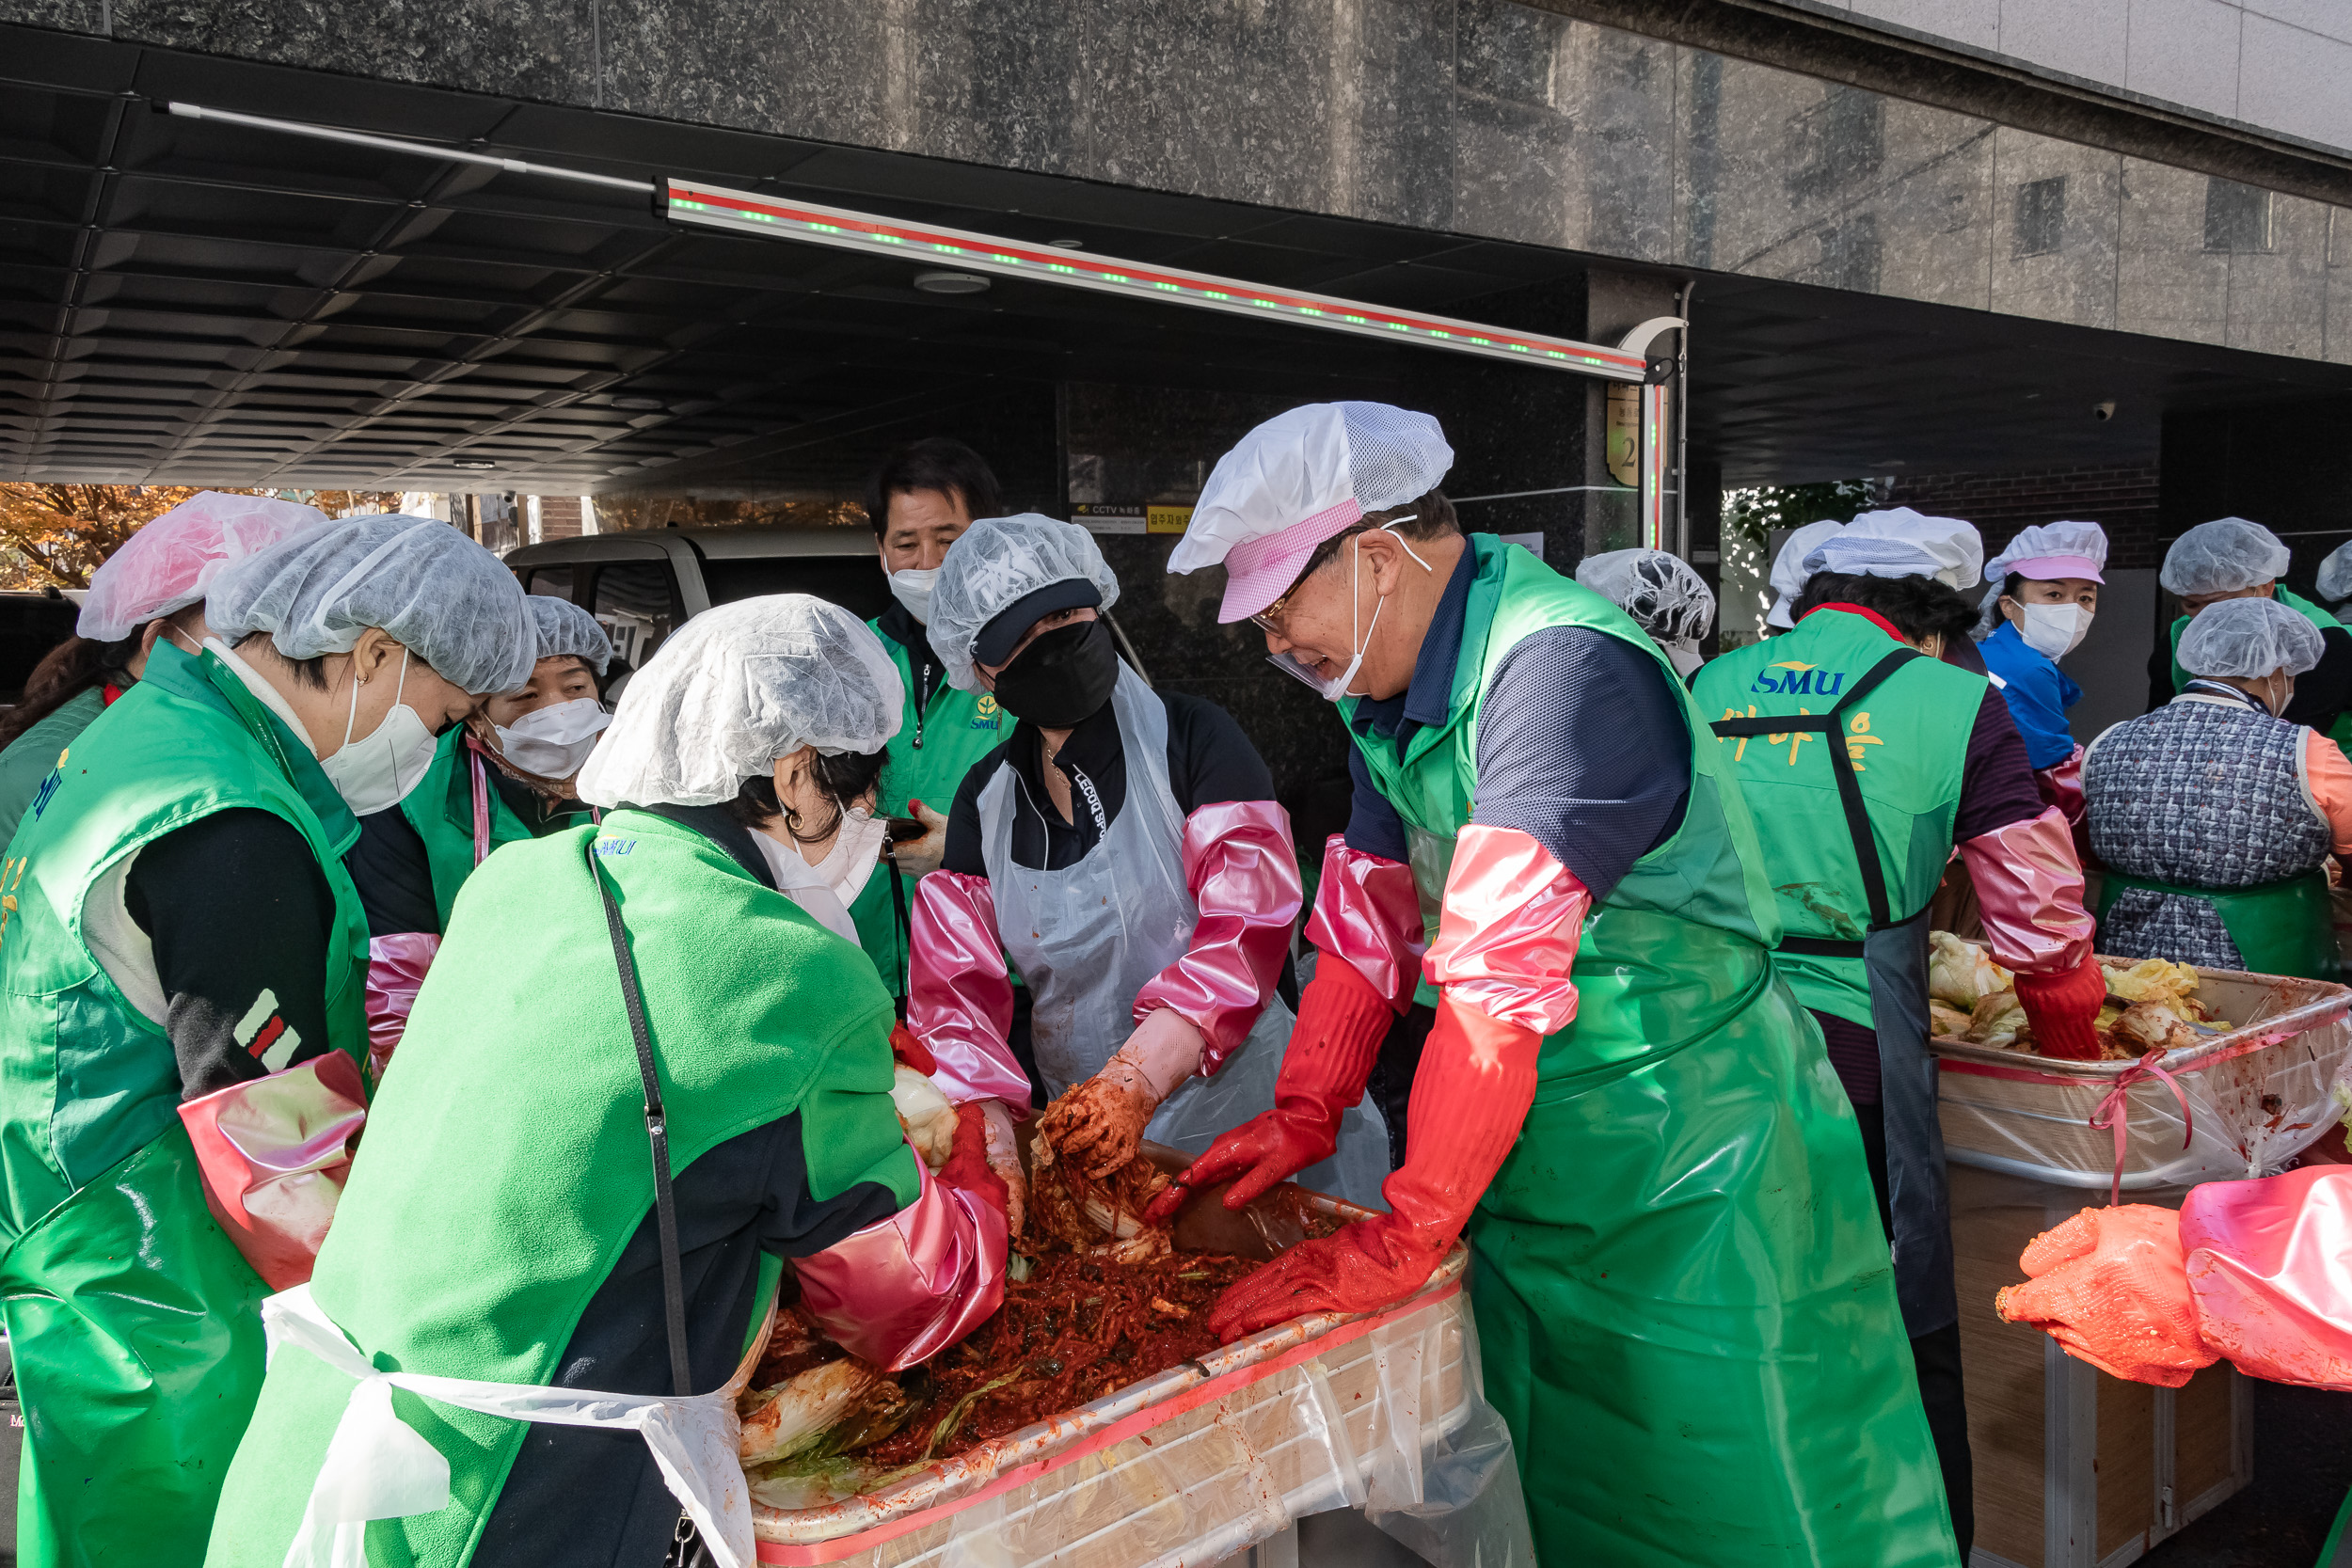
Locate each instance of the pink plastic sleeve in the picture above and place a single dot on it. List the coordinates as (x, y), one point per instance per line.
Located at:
(1507, 938)
(960, 992)
(2061, 784)
(1368, 914)
(396, 968)
(2270, 1267)
(904, 1288)
(2330, 779)
(274, 1153)
(2031, 887)
(1243, 871)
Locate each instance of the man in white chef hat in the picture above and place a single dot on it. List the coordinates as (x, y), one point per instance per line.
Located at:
(1618, 1097)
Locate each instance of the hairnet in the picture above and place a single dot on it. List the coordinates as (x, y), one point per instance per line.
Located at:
(2248, 637)
(735, 688)
(2072, 545)
(1901, 543)
(1789, 573)
(1663, 595)
(167, 564)
(1296, 481)
(2221, 557)
(2335, 575)
(563, 628)
(993, 563)
(442, 597)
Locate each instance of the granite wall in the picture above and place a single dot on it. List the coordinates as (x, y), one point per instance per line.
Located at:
(1477, 115)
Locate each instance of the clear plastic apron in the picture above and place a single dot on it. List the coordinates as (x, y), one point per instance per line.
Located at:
(1087, 938)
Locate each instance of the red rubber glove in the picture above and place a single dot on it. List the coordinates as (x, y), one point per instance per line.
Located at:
(1477, 1079)
(1332, 1047)
(967, 1166)
(909, 1052)
(2063, 1009)
(2111, 1288)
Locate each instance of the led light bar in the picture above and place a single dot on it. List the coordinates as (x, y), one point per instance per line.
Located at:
(715, 207)
(1653, 468)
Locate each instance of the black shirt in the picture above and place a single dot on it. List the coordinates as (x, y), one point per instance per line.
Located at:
(577, 1496)
(1209, 760)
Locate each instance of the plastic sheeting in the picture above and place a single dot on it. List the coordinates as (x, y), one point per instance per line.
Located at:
(1387, 1413)
(2245, 1116)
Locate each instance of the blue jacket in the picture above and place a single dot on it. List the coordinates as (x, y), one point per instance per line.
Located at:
(2039, 694)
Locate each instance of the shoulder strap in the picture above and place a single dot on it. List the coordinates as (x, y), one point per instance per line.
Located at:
(1865, 850)
(906, 955)
(656, 1133)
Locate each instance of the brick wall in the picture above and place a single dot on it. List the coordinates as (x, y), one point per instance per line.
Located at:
(2121, 499)
(559, 517)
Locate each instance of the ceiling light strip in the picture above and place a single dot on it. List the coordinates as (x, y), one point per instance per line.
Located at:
(392, 144)
(715, 207)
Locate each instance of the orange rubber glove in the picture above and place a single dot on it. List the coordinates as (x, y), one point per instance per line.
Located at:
(1332, 1047)
(2063, 1009)
(1477, 1079)
(967, 1166)
(2111, 1288)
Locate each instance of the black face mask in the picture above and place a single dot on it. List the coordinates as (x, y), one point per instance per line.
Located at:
(1062, 678)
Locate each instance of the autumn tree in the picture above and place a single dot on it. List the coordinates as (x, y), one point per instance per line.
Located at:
(55, 535)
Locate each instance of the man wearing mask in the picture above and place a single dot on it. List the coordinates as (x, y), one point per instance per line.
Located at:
(1126, 849)
(1910, 758)
(180, 975)
(920, 500)
(2233, 559)
(1666, 1200)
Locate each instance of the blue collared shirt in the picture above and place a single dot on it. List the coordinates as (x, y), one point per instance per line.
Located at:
(2038, 693)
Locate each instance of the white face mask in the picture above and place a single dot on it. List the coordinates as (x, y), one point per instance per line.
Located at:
(2054, 630)
(913, 589)
(554, 742)
(1337, 686)
(378, 769)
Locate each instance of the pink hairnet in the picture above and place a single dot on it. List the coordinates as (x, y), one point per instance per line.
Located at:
(167, 564)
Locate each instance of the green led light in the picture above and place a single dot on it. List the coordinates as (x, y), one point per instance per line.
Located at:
(1217, 295)
(1056, 266)
(1358, 321)
(1168, 288)
(1518, 348)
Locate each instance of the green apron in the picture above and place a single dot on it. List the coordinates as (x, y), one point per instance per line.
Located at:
(441, 809)
(2336, 1551)
(1685, 1303)
(935, 747)
(1862, 828)
(32, 756)
(133, 1319)
(2296, 602)
(2281, 927)
(501, 1183)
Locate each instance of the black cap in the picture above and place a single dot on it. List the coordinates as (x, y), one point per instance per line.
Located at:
(1007, 627)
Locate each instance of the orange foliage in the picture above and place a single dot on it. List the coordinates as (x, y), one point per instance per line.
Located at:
(60, 533)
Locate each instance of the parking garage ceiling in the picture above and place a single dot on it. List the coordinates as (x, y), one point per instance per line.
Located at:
(189, 302)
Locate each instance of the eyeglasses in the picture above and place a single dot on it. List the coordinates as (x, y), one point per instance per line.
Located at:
(1270, 620)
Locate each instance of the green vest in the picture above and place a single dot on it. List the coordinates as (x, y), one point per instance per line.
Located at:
(440, 808)
(133, 1319)
(935, 747)
(506, 1167)
(1704, 876)
(33, 755)
(1908, 742)
(1688, 1190)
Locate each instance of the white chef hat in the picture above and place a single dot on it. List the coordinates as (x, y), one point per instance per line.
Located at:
(2046, 551)
(1297, 480)
(1789, 571)
(1897, 541)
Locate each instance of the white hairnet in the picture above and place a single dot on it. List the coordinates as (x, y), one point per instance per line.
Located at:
(1789, 572)
(2222, 556)
(167, 564)
(1665, 597)
(735, 688)
(563, 628)
(2248, 637)
(436, 592)
(1305, 461)
(995, 561)
(2335, 575)
(1901, 543)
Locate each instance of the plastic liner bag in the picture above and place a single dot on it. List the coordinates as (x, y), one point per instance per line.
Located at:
(1386, 1415)
(378, 1466)
(2241, 1117)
